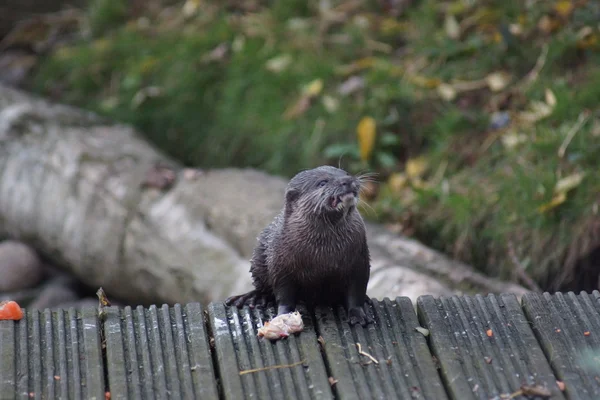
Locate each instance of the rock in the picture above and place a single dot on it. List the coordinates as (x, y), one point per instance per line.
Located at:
(20, 266)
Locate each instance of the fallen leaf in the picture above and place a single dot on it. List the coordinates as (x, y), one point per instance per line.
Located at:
(314, 88)
(586, 333)
(548, 24)
(452, 27)
(555, 202)
(279, 63)
(564, 8)
(351, 85)
(550, 98)
(569, 182)
(488, 360)
(489, 333)
(216, 54)
(425, 82)
(366, 131)
(512, 139)
(561, 385)
(190, 7)
(415, 167)
(537, 110)
(332, 380)
(330, 103)
(298, 108)
(356, 66)
(497, 81)
(447, 92)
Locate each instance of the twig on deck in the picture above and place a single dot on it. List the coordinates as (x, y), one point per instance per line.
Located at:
(248, 371)
(362, 353)
(520, 269)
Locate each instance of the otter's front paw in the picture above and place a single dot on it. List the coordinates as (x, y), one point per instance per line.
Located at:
(251, 299)
(357, 315)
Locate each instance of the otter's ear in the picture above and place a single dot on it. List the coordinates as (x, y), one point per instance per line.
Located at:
(292, 195)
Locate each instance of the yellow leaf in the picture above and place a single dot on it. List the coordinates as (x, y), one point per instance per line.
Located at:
(568, 182)
(555, 202)
(422, 81)
(446, 91)
(564, 8)
(314, 88)
(366, 132)
(415, 167)
(397, 181)
(497, 81)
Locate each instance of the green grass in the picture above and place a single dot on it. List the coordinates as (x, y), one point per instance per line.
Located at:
(480, 194)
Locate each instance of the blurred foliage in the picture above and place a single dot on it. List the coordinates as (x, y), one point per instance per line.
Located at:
(481, 117)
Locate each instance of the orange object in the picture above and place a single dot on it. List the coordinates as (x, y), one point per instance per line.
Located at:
(489, 333)
(10, 310)
(107, 395)
(586, 333)
(561, 385)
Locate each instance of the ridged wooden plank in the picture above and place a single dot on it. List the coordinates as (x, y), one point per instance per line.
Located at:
(485, 346)
(52, 355)
(238, 348)
(568, 328)
(158, 353)
(405, 369)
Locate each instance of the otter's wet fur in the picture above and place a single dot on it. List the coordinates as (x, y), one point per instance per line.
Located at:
(315, 250)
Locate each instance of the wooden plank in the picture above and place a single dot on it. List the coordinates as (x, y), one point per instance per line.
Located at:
(52, 355)
(238, 348)
(568, 328)
(158, 353)
(405, 368)
(485, 346)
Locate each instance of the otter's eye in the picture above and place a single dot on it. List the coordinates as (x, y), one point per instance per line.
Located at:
(322, 183)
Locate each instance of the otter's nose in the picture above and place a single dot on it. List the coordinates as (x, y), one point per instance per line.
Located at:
(347, 182)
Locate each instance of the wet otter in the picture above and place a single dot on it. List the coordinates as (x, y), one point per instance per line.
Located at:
(315, 250)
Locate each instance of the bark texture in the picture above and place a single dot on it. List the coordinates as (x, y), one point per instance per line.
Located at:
(71, 184)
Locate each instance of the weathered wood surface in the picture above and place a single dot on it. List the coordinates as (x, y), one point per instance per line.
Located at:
(478, 347)
(52, 355)
(485, 346)
(158, 353)
(568, 329)
(403, 369)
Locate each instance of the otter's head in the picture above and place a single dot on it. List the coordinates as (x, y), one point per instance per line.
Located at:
(324, 190)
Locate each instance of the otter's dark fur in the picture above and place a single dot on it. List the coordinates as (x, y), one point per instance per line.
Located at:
(315, 250)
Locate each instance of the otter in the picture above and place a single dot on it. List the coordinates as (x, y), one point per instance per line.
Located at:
(315, 250)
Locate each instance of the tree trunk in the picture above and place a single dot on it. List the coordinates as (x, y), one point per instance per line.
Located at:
(73, 186)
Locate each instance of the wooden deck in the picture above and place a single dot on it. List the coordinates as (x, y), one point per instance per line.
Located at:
(479, 347)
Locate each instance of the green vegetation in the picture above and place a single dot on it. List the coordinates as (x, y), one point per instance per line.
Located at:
(481, 117)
